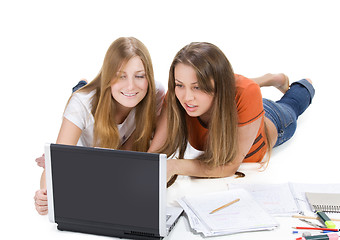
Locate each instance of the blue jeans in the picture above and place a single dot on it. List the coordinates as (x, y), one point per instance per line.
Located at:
(80, 84)
(285, 112)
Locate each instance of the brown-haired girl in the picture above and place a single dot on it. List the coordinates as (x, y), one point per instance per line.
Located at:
(223, 114)
(104, 113)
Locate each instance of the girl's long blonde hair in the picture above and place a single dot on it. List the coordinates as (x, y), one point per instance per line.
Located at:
(104, 106)
(216, 77)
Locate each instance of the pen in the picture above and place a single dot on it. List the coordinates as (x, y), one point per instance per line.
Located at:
(225, 205)
(311, 224)
(318, 231)
(325, 219)
(325, 229)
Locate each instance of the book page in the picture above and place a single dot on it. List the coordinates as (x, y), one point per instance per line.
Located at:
(276, 199)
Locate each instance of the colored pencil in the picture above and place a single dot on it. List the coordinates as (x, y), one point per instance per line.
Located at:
(324, 229)
(224, 206)
(309, 217)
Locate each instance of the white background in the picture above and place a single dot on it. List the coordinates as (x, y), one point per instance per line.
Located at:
(47, 46)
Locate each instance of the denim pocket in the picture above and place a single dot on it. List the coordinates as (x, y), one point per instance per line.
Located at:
(283, 118)
(284, 114)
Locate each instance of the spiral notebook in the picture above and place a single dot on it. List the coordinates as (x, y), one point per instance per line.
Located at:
(326, 202)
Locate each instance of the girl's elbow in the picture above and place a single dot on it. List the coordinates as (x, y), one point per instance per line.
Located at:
(230, 170)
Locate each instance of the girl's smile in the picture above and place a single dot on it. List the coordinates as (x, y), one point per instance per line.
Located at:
(129, 95)
(131, 85)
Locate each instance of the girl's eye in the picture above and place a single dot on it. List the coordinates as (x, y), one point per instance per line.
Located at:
(122, 77)
(140, 76)
(197, 88)
(178, 85)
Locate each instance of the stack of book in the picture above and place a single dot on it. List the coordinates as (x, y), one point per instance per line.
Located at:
(243, 215)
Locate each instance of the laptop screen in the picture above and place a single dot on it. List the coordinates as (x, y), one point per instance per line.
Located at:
(113, 188)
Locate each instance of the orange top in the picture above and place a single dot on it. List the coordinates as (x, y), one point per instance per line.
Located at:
(249, 108)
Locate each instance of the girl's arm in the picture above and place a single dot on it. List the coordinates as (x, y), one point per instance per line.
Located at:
(69, 134)
(193, 167)
(160, 132)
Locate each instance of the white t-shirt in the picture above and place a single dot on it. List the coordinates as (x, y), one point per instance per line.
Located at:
(78, 111)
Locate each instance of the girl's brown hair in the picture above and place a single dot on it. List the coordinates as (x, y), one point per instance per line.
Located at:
(106, 133)
(215, 76)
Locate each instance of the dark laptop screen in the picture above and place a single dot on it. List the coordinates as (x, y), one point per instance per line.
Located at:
(101, 186)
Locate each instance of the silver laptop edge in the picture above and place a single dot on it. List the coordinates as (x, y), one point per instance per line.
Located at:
(49, 185)
(162, 195)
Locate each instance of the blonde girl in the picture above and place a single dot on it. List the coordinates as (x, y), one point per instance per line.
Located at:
(104, 113)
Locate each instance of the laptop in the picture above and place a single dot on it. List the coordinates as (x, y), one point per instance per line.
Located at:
(108, 192)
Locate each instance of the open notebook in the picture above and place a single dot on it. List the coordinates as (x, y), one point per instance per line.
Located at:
(286, 199)
(243, 216)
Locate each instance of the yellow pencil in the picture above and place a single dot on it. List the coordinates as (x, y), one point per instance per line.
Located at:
(307, 217)
(225, 205)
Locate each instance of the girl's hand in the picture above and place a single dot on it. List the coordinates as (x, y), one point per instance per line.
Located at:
(41, 161)
(170, 169)
(40, 201)
(171, 173)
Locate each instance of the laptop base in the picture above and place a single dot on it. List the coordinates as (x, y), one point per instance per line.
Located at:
(105, 231)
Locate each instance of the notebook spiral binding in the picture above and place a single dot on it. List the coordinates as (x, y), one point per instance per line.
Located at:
(327, 208)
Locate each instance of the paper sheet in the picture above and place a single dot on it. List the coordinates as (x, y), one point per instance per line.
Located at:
(277, 199)
(245, 215)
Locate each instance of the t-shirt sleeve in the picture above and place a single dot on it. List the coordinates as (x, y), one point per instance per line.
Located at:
(249, 104)
(76, 112)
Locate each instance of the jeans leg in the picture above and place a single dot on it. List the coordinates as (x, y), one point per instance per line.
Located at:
(299, 96)
(285, 112)
(80, 84)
